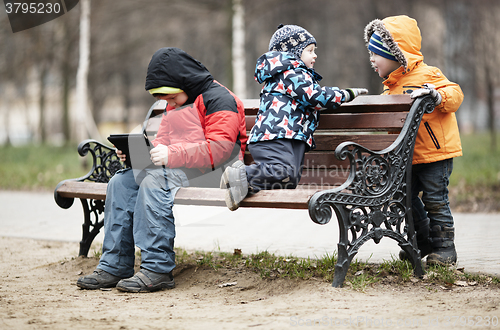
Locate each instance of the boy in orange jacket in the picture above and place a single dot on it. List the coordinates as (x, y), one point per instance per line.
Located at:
(394, 47)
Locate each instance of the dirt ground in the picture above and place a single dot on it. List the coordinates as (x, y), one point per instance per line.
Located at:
(38, 291)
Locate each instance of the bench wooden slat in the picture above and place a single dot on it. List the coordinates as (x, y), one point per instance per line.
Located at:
(327, 142)
(296, 199)
(314, 159)
(376, 103)
(281, 198)
(361, 104)
(321, 177)
(284, 198)
(77, 189)
(390, 121)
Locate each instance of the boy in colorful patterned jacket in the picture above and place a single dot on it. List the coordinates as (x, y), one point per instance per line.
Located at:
(394, 46)
(290, 105)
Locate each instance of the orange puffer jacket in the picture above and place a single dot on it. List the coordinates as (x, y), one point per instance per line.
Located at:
(438, 136)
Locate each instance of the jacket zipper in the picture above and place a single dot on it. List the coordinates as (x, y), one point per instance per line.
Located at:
(431, 134)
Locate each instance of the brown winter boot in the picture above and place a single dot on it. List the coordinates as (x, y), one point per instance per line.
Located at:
(443, 246)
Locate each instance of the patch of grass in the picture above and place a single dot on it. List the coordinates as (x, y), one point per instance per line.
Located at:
(270, 265)
(182, 257)
(325, 266)
(360, 276)
(442, 274)
(97, 250)
(480, 165)
(401, 268)
(207, 259)
(38, 167)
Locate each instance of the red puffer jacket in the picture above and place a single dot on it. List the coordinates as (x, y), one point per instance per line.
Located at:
(211, 129)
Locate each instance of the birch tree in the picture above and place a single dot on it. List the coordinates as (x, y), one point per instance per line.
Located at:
(85, 124)
(238, 50)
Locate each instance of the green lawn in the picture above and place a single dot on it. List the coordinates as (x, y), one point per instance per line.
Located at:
(39, 166)
(44, 166)
(480, 165)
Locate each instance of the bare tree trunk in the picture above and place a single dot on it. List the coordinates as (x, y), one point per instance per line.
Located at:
(85, 124)
(65, 63)
(65, 102)
(127, 87)
(238, 50)
(486, 26)
(41, 104)
(490, 101)
(6, 116)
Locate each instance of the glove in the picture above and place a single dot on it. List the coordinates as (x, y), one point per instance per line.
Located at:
(159, 155)
(428, 89)
(351, 93)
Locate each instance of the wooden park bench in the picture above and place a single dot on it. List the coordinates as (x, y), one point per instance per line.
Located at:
(361, 169)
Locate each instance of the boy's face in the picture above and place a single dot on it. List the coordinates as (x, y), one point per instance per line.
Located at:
(309, 56)
(382, 65)
(174, 100)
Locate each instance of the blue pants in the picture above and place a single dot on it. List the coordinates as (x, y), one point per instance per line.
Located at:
(278, 164)
(432, 180)
(139, 212)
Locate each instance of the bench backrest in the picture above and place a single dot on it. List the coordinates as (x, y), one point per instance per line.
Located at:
(373, 121)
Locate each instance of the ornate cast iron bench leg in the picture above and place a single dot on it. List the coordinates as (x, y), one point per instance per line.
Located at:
(105, 163)
(94, 209)
(364, 227)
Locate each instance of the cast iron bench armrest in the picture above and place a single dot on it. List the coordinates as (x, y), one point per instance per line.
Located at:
(375, 200)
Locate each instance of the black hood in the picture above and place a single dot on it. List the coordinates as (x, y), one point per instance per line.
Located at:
(173, 67)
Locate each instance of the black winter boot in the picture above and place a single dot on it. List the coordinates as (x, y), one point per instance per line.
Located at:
(423, 242)
(443, 246)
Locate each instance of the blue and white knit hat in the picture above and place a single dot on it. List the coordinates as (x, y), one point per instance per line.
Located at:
(379, 47)
(291, 38)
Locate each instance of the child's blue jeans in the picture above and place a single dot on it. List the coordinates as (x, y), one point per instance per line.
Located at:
(139, 212)
(432, 180)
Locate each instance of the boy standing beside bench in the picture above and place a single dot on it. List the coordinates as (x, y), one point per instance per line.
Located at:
(394, 46)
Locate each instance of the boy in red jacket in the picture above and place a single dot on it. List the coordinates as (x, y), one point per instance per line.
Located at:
(202, 131)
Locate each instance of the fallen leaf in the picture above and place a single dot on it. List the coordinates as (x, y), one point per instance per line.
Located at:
(227, 284)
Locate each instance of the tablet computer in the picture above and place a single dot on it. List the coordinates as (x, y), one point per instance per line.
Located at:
(135, 146)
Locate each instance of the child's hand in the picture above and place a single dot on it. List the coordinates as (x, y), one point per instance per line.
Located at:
(428, 89)
(352, 93)
(121, 155)
(159, 155)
